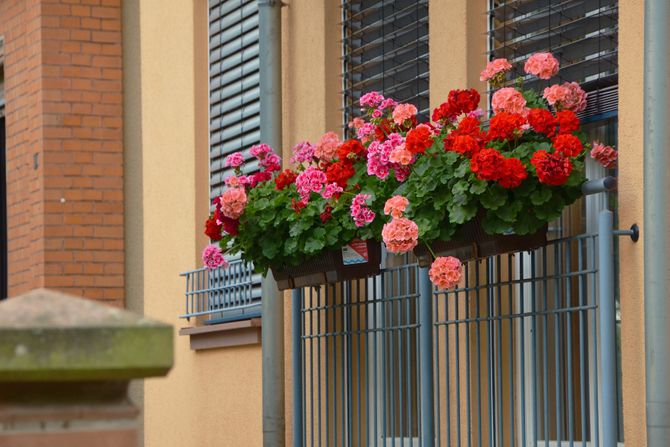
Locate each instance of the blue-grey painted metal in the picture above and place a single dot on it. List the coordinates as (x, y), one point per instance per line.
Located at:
(222, 294)
(426, 358)
(607, 312)
(296, 338)
(274, 422)
(656, 239)
(516, 347)
(599, 185)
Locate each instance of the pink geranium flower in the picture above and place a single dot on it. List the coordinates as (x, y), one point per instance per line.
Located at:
(403, 112)
(326, 147)
(308, 181)
(566, 96)
(371, 99)
(401, 156)
(360, 212)
(234, 160)
(445, 272)
(495, 70)
(542, 65)
(605, 155)
(509, 100)
(400, 235)
(396, 206)
(233, 201)
(213, 258)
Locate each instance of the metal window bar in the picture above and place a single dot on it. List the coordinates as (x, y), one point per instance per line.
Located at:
(516, 354)
(385, 48)
(222, 295)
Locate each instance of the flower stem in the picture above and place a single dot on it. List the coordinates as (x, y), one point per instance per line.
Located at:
(430, 250)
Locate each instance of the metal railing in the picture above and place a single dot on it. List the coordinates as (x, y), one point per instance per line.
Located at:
(222, 294)
(514, 356)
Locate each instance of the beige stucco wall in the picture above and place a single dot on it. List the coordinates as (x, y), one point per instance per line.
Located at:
(211, 398)
(631, 176)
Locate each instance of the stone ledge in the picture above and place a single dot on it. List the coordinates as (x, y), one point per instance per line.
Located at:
(236, 333)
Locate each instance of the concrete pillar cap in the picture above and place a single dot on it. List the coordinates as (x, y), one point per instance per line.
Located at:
(49, 336)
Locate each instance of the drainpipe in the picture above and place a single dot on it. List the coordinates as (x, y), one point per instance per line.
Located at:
(269, 16)
(656, 284)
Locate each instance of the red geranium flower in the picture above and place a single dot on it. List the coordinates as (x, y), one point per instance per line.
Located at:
(212, 229)
(466, 139)
(418, 140)
(327, 214)
(505, 125)
(383, 129)
(568, 121)
(487, 164)
(513, 173)
(459, 101)
(542, 121)
(340, 173)
(285, 178)
(463, 144)
(297, 205)
(259, 177)
(568, 144)
(351, 150)
(552, 169)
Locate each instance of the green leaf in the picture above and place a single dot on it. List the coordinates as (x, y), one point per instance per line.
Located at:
(462, 169)
(540, 195)
(298, 227)
(494, 197)
(459, 214)
(477, 186)
(509, 212)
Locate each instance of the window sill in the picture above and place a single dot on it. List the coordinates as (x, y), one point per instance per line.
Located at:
(224, 335)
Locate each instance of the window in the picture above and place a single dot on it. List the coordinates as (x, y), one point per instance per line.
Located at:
(385, 49)
(234, 124)
(582, 34)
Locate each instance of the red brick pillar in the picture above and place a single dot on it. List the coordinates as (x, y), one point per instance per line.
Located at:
(63, 81)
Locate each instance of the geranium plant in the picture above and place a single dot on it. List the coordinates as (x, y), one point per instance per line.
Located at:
(408, 183)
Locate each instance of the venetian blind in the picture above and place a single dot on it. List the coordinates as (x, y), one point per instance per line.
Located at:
(582, 34)
(385, 48)
(234, 110)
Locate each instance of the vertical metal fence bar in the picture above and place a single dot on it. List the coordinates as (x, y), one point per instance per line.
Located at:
(426, 358)
(296, 337)
(545, 345)
(568, 344)
(510, 360)
(583, 316)
(557, 341)
(607, 314)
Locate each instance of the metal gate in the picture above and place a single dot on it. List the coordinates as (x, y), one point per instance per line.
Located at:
(523, 353)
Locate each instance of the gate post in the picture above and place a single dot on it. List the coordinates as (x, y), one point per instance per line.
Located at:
(426, 358)
(607, 313)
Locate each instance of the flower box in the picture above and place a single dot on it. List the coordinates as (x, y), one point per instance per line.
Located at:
(472, 242)
(359, 259)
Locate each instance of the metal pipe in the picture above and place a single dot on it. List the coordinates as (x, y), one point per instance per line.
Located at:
(269, 18)
(599, 185)
(656, 284)
(607, 327)
(426, 358)
(296, 334)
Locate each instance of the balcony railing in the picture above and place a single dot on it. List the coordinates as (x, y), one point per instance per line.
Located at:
(221, 295)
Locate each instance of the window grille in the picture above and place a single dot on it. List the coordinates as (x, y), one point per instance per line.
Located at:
(582, 34)
(385, 49)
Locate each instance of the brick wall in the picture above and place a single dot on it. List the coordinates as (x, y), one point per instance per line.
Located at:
(64, 146)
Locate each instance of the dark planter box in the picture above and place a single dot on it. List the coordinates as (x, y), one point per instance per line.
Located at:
(472, 242)
(328, 267)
